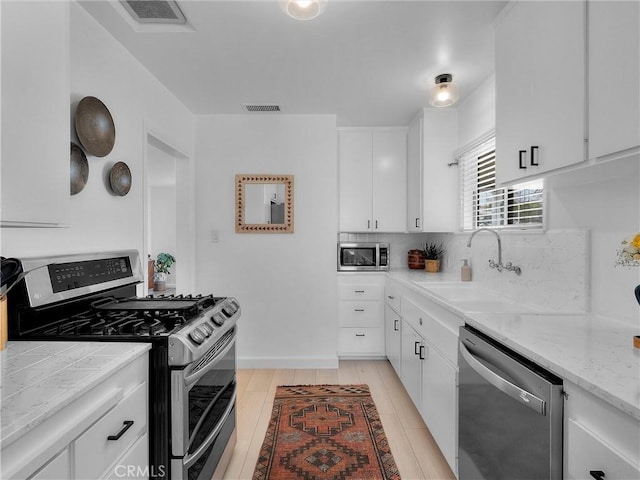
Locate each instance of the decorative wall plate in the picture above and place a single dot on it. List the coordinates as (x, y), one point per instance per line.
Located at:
(120, 178)
(79, 169)
(94, 126)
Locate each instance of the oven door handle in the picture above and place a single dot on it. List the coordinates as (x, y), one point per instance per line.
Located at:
(524, 397)
(191, 458)
(194, 377)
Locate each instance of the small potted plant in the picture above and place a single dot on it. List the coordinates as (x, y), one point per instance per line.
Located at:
(432, 253)
(164, 261)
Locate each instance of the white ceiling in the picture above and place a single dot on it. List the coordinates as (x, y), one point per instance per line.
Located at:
(370, 62)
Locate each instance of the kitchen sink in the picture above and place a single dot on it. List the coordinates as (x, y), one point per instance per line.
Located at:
(470, 298)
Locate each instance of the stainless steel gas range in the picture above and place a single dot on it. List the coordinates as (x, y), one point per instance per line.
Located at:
(192, 364)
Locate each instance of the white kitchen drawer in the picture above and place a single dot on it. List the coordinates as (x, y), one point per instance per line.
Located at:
(94, 453)
(353, 313)
(58, 468)
(360, 341)
(432, 330)
(134, 463)
(364, 291)
(589, 453)
(392, 297)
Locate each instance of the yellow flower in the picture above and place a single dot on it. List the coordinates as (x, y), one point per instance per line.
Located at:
(636, 241)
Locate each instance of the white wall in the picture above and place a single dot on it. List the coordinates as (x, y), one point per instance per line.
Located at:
(286, 283)
(99, 220)
(477, 114)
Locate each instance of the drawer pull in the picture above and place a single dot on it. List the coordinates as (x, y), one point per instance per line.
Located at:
(127, 424)
(597, 474)
(359, 309)
(359, 291)
(390, 297)
(359, 334)
(395, 325)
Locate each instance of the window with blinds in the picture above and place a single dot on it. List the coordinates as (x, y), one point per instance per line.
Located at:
(484, 205)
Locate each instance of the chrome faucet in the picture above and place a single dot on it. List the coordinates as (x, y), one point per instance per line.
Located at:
(498, 266)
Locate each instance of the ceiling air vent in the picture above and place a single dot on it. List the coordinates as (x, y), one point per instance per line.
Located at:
(155, 11)
(261, 108)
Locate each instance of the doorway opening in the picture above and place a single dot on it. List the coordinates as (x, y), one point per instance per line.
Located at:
(168, 222)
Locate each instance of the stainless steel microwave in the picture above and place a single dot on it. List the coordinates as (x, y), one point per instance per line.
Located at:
(363, 257)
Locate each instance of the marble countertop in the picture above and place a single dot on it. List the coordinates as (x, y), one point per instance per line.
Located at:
(38, 379)
(594, 352)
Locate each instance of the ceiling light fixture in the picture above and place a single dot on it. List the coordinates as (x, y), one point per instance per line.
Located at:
(303, 9)
(444, 92)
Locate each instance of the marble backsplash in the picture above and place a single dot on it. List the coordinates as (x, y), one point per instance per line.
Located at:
(555, 263)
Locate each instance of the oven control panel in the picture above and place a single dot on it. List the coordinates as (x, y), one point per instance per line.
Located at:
(193, 342)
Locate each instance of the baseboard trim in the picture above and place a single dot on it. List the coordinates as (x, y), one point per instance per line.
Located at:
(287, 362)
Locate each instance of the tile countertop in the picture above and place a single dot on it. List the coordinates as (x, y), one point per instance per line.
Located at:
(38, 379)
(591, 351)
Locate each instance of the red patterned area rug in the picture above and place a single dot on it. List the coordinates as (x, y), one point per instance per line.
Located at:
(325, 432)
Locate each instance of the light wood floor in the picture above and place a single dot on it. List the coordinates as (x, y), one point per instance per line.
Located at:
(413, 448)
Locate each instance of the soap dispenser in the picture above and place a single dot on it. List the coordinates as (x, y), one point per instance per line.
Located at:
(465, 271)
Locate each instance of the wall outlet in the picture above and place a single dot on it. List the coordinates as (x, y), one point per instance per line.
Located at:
(215, 236)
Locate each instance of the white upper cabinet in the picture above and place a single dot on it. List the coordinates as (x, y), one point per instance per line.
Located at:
(35, 113)
(540, 88)
(432, 180)
(614, 77)
(373, 176)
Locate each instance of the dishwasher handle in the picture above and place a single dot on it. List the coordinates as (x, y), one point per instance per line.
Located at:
(524, 397)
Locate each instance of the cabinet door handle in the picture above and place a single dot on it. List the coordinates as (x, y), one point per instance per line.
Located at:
(416, 347)
(390, 297)
(368, 224)
(376, 224)
(395, 325)
(534, 149)
(127, 424)
(359, 334)
(359, 309)
(521, 159)
(597, 474)
(422, 352)
(417, 223)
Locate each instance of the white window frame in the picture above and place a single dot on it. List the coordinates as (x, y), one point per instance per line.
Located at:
(498, 199)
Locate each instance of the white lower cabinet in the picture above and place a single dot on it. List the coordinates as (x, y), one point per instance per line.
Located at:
(435, 348)
(439, 405)
(411, 363)
(428, 363)
(100, 435)
(600, 440)
(393, 326)
(393, 338)
(111, 437)
(134, 463)
(361, 315)
(591, 457)
(58, 468)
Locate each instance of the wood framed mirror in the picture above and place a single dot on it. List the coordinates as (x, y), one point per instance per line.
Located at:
(264, 203)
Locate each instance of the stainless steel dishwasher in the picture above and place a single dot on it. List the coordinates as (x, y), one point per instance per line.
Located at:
(509, 416)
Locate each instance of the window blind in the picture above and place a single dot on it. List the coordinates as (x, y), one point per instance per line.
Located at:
(485, 205)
